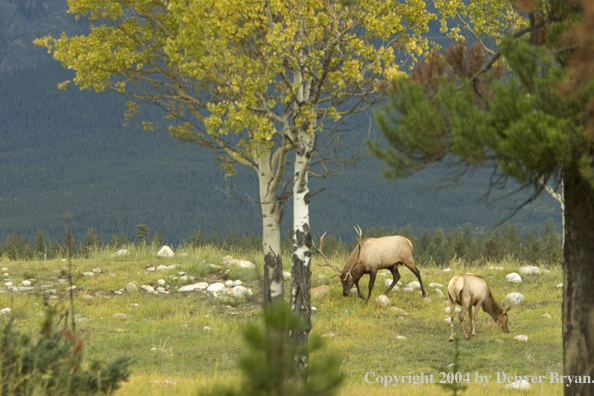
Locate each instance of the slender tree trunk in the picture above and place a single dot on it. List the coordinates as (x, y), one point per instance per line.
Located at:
(271, 240)
(578, 275)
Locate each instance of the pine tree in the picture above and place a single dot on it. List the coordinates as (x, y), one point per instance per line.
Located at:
(141, 233)
(39, 246)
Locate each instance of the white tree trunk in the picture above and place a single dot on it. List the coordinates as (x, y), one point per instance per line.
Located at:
(271, 240)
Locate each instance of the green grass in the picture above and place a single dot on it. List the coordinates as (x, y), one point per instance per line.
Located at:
(166, 332)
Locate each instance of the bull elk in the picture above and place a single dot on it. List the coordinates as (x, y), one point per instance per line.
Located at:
(370, 256)
(473, 291)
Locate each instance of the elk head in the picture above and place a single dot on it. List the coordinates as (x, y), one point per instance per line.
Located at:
(349, 277)
(502, 321)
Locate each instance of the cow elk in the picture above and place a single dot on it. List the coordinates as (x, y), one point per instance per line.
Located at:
(473, 291)
(372, 255)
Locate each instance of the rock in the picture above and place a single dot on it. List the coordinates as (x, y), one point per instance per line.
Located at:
(89, 274)
(447, 270)
(166, 383)
(87, 297)
(237, 283)
(97, 271)
(400, 337)
(496, 268)
(521, 385)
(171, 267)
(438, 292)
(6, 275)
(320, 291)
(72, 287)
(215, 267)
(225, 299)
(117, 293)
(513, 277)
(131, 288)
(522, 338)
(286, 275)
(162, 268)
(560, 286)
(241, 263)
(427, 300)
(448, 320)
(530, 270)
(215, 287)
(134, 304)
(241, 292)
(229, 283)
(4, 269)
(8, 284)
(121, 252)
(147, 288)
(397, 311)
(165, 252)
(322, 277)
(330, 335)
(150, 269)
(121, 316)
(456, 310)
(382, 301)
(546, 315)
(161, 290)
(5, 311)
(26, 283)
(414, 285)
(207, 328)
(161, 282)
(434, 285)
(353, 291)
(513, 299)
(196, 286)
(14, 289)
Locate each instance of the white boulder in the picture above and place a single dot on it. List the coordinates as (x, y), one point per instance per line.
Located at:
(448, 310)
(147, 288)
(215, 287)
(433, 285)
(121, 252)
(513, 299)
(165, 252)
(513, 277)
(521, 385)
(530, 270)
(521, 338)
(195, 286)
(131, 287)
(241, 292)
(382, 301)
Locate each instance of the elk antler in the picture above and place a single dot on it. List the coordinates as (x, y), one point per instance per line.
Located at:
(324, 256)
(360, 233)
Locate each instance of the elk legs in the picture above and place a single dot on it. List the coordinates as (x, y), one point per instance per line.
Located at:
(396, 275)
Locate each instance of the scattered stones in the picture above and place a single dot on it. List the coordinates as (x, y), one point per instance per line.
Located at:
(320, 291)
(162, 268)
(26, 283)
(172, 267)
(207, 328)
(14, 289)
(4, 269)
(162, 290)
(97, 271)
(353, 292)
(560, 286)
(546, 315)
(165, 252)
(237, 283)
(72, 287)
(513, 277)
(447, 270)
(8, 284)
(150, 269)
(382, 301)
(6, 275)
(147, 288)
(214, 266)
(400, 337)
(521, 338)
(448, 320)
(434, 285)
(313, 308)
(514, 299)
(117, 293)
(286, 275)
(87, 297)
(131, 287)
(448, 310)
(229, 283)
(439, 292)
(496, 268)
(121, 252)
(5, 311)
(89, 274)
(521, 385)
(196, 286)
(215, 287)
(161, 282)
(530, 270)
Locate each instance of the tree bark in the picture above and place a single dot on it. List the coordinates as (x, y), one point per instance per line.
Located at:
(578, 275)
(271, 240)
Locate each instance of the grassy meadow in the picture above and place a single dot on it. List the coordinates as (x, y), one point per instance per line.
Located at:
(167, 334)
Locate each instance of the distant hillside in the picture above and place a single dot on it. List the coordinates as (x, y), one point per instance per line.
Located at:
(68, 151)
